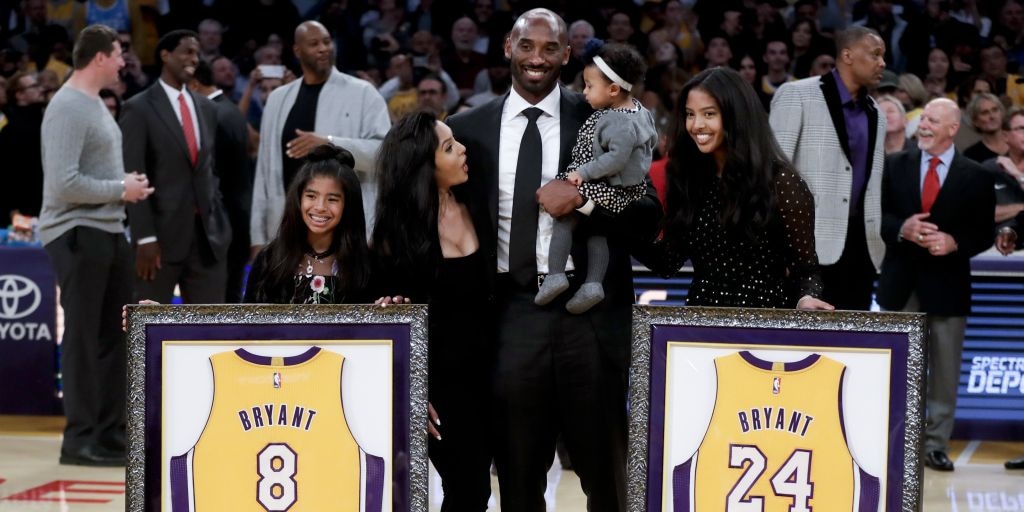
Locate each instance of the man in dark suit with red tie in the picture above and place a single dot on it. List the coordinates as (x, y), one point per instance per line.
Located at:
(234, 170)
(936, 214)
(181, 235)
(556, 373)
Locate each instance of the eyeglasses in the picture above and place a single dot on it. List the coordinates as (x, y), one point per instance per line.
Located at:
(428, 92)
(34, 85)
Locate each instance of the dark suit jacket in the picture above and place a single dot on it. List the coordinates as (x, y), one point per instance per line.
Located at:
(154, 144)
(233, 167)
(479, 130)
(964, 208)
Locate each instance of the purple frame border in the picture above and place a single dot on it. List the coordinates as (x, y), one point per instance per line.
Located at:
(661, 335)
(655, 326)
(150, 326)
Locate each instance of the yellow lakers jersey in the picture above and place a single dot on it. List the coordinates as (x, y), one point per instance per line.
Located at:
(276, 440)
(776, 443)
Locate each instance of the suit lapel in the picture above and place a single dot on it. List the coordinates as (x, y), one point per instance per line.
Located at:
(491, 126)
(872, 113)
(569, 126)
(913, 163)
(204, 132)
(162, 106)
(835, 109)
(956, 179)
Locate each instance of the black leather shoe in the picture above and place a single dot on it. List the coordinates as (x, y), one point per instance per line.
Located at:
(938, 460)
(1017, 463)
(92, 456)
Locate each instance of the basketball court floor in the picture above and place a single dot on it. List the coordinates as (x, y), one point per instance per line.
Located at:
(31, 479)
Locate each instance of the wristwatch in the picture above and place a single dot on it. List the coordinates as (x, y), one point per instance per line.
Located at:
(330, 140)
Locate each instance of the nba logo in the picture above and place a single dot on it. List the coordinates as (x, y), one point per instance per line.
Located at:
(277, 380)
(776, 385)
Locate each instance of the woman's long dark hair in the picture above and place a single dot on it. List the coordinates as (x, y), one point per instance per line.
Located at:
(753, 159)
(286, 251)
(405, 234)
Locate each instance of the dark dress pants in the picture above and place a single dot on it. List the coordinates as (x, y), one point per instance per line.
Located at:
(850, 282)
(553, 378)
(460, 396)
(94, 271)
(202, 277)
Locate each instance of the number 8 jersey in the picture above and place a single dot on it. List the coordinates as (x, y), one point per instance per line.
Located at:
(277, 440)
(776, 443)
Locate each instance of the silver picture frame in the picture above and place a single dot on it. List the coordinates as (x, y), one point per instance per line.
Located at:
(409, 475)
(909, 330)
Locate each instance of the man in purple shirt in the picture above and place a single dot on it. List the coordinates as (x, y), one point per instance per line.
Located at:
(830, 128)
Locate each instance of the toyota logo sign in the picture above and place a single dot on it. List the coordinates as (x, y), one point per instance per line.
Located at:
(19, 297)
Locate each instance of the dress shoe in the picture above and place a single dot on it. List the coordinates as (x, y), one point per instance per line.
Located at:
(1017, 463)
(938, 460)
(92, 456)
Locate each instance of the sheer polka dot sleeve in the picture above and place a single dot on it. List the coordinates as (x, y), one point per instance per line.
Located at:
(796, 209)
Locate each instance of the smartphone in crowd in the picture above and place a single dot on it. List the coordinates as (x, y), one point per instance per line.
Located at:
(272, 70)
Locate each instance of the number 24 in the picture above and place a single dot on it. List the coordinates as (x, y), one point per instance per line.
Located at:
(792, 479)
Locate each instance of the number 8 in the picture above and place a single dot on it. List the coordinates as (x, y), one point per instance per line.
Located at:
(282, 477)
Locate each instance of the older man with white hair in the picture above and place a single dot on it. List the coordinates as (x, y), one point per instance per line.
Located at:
(936, 214)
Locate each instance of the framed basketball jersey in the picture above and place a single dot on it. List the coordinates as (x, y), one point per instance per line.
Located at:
(742, 410)
(269, 417)
(277, 408)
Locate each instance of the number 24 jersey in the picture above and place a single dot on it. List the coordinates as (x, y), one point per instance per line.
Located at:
(776, 443)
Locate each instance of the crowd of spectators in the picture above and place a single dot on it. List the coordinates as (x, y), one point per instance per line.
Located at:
(449, 56)
(945, 45)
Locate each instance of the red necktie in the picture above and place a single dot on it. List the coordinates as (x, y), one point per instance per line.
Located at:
(930, 190)
(190, 132)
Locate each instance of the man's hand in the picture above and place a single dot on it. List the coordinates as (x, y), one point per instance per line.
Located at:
(147, 260)
(559, 198)
(255, 77)
(1006, 240)
(915, 229)
(303, 143)
(1010, 168)
(574, 178)
(939, 243)
(136, 187)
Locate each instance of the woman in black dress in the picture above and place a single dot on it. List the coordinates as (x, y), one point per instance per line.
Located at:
(736, 207)
(426, 248)
(319, 255)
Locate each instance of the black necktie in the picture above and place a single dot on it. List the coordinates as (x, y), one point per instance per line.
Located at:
(522, 243)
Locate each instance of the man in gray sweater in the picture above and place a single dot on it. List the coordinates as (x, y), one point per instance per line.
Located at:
(85, 189)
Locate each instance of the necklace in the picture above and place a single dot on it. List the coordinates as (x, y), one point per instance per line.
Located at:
(316, 256)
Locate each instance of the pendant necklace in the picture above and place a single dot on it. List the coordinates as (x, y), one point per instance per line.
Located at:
(316, 257)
